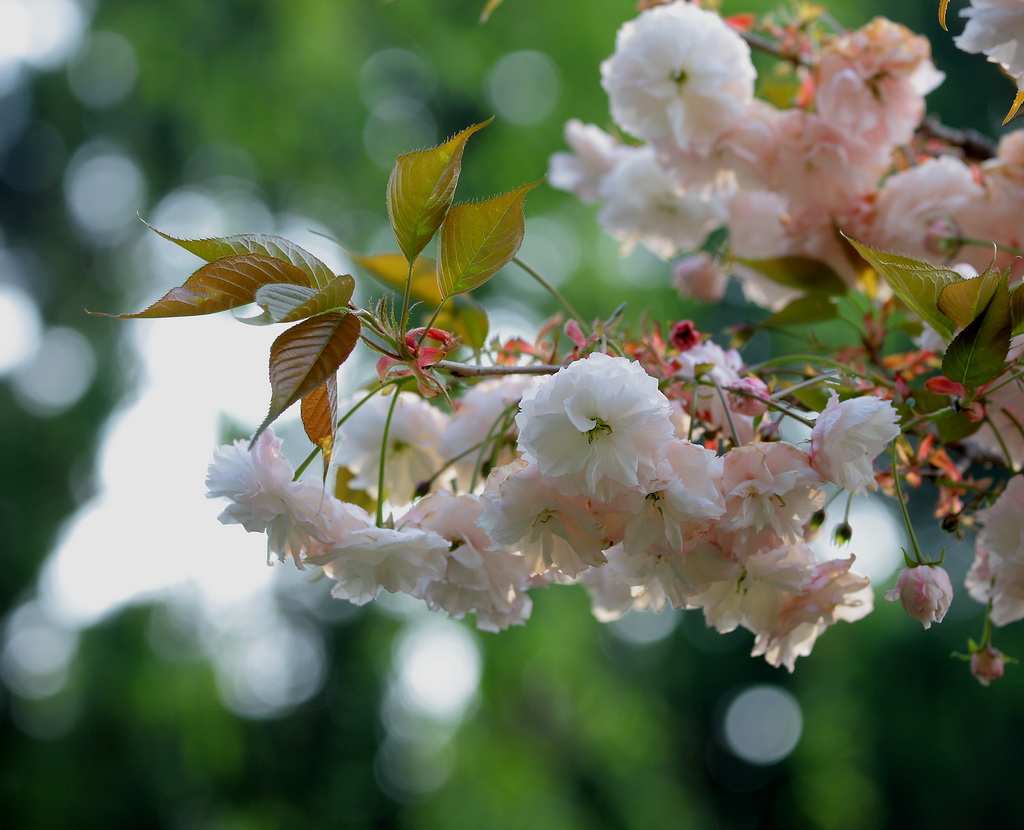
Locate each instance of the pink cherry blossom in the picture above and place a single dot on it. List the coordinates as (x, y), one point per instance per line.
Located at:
(848, 435)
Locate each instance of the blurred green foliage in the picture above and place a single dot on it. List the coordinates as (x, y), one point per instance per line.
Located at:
(573, 727)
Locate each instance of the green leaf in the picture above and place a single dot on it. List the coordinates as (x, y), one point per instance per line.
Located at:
(421, 188)
(918, 284)
(803, 310)
(809, 275)
(479, 239)
(230, 282)
(1017, 310)
(392, 269)
(283, 303)
(319, 415)
(256, 243)
(305, 356)
(964, 300)
(978, 354)
(332, 297)
(277, 300)
(955, 426)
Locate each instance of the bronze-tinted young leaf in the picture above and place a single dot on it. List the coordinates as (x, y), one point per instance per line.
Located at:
(320, 415)
(918, 284)
(229, 282)
(304, 356)
(391, 270)
(1017, 310)
(963, 301)
(978, 353)
(421, 189)
(943, 5)
(479, 239)
(257, 243)
(812, 309)
(811, 276)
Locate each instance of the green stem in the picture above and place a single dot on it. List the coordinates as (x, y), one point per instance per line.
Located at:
(918, 556)
(383, 459)
(554, 292)
(985, 243)
(804, 383)
(728, 412)
(406, 297)
(316, 450)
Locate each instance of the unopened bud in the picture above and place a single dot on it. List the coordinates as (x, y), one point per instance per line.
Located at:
(842, 534)
(925, 593)
(987, 664)
(701, 277)
(943, 237)
(684, 335)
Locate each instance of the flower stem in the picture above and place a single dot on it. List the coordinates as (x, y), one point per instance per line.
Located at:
(918, 556)
(554, 292)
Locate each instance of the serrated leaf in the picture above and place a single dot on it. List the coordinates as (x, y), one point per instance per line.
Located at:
(332, 297)
(809, 275)
(479, 239)
(421, 188)
(963, 301)
(918, 284)
(230, 282)
(978, 354)
(277, 300)
(319, 417)
(391, 270)
(1017, 310)
(304, 356)
(803, 310)
(466, 318)
(288, 303)
(256, 243)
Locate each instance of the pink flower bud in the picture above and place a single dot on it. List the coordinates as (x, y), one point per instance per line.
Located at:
(987, 665)
(700, 277)
(684, 335)
(924, 592)
(749, 396)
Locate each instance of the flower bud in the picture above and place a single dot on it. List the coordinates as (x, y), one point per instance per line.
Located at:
(842, 534)
(684, 335)
(749, 396)
(987, 664)
(924, 592)
(700, 277)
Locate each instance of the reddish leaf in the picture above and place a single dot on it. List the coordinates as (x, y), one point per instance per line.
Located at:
(230, 282)
(256, 243)
(304, 356)
(421, 188)
(320, 415)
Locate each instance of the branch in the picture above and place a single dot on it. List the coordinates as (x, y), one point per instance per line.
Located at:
(469, 370)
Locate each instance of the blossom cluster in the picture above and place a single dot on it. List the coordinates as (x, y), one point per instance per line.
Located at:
(698, 152)
(596, 480)
(661, 471)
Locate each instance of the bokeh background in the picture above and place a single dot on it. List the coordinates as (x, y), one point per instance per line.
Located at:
(155, 674)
